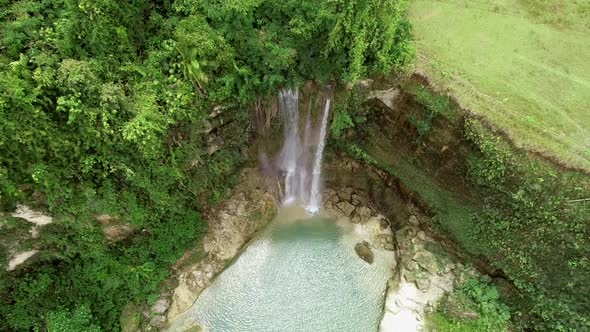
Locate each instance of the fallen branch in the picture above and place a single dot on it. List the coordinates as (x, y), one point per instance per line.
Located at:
(579, 200)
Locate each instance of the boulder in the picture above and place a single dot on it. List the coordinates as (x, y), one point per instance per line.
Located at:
(356, 199)
(113, 229)
(427, 261)
(423, 284)
(364, 251)
(364, 212)
(118, 231)
(158, 321)
(160, 306)
(387, 97)
(105, 219)
(413, 220)
(130, 318)
(459, 311)
(346, 208)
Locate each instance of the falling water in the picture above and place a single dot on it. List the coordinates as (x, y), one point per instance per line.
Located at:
(299, 187)
(289, 105)
(315, 198)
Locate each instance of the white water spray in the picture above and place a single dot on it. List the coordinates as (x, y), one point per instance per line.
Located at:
(315, 195)
(289, 105)
(296, 157)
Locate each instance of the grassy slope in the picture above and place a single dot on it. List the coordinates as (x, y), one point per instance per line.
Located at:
(522, 63)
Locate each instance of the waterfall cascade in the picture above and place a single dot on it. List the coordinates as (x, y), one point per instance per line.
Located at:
(301, 157)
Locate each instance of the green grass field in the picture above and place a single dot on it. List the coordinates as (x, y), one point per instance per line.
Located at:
(524, 64)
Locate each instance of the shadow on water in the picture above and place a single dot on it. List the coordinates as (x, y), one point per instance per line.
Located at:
(313, 229)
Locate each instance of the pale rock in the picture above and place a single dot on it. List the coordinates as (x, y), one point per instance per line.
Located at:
(423, 284)
(364, 212)
(117, 231)
(387, 97)
(427, 261)
(346, 208)
(412, 265)
(20, 258)
(160, 306)
(105, 219)
(356, 199)
(158, 321)
(421, 235)
(35, 217)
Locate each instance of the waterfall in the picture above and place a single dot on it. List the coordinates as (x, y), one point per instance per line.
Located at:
(315, 196)
(296, 154)
(289, 106)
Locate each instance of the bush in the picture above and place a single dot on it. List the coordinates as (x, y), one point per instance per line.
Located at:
(532, 228)
(475, 306)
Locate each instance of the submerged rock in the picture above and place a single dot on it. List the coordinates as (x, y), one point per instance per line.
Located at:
(364, 251)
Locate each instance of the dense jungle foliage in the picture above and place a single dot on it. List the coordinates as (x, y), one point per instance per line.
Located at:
(104, 107)
(534, 225)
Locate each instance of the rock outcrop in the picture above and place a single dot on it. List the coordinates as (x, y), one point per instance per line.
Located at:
(231, 225)
(423, 277)
(29, 221)
(350, 202)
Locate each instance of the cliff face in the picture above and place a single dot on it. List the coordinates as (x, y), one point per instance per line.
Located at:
(483, 197)
(418, 159)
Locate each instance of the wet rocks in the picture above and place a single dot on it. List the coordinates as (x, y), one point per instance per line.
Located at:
(364, 251)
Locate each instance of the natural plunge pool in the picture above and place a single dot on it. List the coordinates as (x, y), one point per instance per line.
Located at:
(299, 274)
